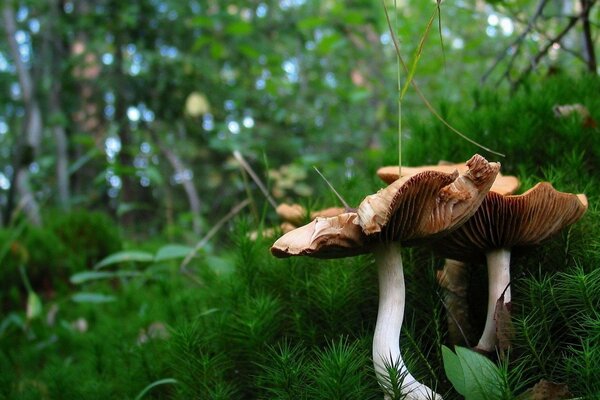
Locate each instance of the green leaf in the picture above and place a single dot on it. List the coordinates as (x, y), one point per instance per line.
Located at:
(239, 28)
(482, 377)
(172, 251)
(86, 276)
(34, 306)
(453, 370)
(417, 57)
(309, 23)
(88, 297)
(125, 256)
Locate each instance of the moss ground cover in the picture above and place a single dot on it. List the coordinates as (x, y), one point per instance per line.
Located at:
(254, 327)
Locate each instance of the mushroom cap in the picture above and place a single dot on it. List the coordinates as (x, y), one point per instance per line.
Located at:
(325, 237)
(292, 213)
(509, 221)
(427, 204)
(295, 214)
(503, 184)
(413, 208)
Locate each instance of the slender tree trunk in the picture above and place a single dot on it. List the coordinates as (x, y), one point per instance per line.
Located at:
(188, 185)
(588, 41)
(58, 53)
(29, 142)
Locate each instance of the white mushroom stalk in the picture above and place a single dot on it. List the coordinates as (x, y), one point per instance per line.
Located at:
(498, 265)
(386, 347)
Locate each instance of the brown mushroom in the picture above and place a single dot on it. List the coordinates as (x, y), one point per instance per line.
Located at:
(504, 222)
(411, 210)
(453, 277)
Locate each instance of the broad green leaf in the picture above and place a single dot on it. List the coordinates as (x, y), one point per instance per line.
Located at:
(88, 297)
(482, 377)
(172, 251)
(86, 276)
(125, 256)
(453, 370)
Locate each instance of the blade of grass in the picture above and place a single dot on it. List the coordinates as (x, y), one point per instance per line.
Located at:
(424, 99)
(439, 12)
(153, 385)
(418, 53)
(339, 196)
(238, 156)
(399, 78)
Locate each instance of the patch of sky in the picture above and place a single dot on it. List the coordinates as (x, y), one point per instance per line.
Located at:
(109, 111)
(68, 7)
(145, 148)
(208, 122)
(3, 127)
(180, 177)
(22, 13)
(4, 182)
(34, 25)
(34, 168)
(385, 38)
(291, 69)
(168, 51)
(112, 146)
(248, 122)
(107, 58)
(133, 114)
(15, 90)
(229, 105)
(287, 4)
(330, 80)
(261, 10)
(233, 126)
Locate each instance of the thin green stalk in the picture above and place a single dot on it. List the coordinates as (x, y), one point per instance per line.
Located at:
(339, 196)
(422, 96)
(400, 95)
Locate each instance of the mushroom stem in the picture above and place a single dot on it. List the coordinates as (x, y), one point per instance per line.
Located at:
(454, 281)
(386, 348)
(498, 263)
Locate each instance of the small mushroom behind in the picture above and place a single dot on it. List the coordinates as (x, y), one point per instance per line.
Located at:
(411, 210)
(453, 278)
(504, 222)
(503, 184)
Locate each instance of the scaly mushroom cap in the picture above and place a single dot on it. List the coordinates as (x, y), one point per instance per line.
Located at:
(503, 184)
(508, 221)
(332, 237)
(427, 204)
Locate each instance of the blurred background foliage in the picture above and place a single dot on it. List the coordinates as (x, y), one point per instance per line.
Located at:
(135, 108)
(118, 127)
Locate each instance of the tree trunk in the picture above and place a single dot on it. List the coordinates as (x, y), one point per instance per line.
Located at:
(588, 41)
(29, 142)
(57, 54)
(188, 185)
